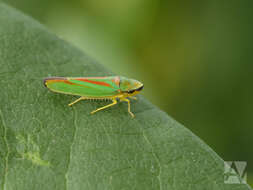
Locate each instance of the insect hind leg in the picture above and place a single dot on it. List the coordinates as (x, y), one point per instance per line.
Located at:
(114, 101)
(81, 98)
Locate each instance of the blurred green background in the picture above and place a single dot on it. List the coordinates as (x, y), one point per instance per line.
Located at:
(194, 57)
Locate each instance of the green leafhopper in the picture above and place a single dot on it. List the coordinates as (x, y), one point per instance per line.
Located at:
(101, 88)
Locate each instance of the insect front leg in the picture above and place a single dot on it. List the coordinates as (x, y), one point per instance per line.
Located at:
(81, 98)
(133, 97)
(114, 101)
(128, 102)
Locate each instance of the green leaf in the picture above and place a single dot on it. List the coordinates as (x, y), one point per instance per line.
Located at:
(44, 144)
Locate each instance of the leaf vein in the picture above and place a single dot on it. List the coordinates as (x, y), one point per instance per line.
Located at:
(8, 150)
(71, 147)
(156, 158)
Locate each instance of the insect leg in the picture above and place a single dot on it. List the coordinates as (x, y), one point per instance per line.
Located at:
(81, 98)
(114, 101)
(128, 102)
(132, 97)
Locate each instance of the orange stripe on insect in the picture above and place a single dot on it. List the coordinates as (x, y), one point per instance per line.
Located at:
(116, 80)
(94, 82)
(62, 80)
(68, 82)
(48, 81)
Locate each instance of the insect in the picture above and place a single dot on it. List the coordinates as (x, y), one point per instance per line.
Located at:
(100, 88)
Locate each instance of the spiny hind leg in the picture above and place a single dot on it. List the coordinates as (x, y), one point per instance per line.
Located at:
(114, 101)
(81, 98)
(128, 102)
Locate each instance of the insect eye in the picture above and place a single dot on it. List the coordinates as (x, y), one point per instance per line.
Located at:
(131, 91)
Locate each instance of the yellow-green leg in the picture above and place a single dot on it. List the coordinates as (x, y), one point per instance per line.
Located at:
(133, 97)
(114, 101)
(81, 98)
(128, 102)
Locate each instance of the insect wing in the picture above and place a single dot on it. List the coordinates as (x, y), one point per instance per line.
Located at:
(91, 87)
